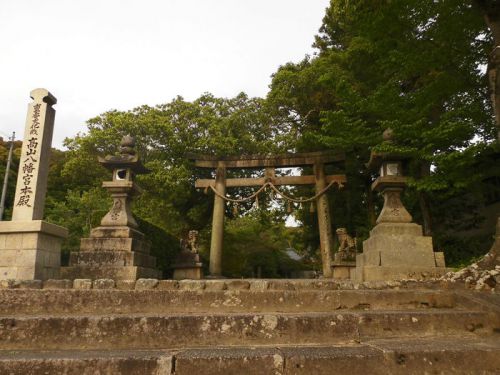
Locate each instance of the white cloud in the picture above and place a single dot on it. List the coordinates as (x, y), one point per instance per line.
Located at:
(95, 55)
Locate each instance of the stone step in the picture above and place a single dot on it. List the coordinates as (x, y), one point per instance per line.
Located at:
(453, 355)
(74, 301)
(91, 362)
(154, 331)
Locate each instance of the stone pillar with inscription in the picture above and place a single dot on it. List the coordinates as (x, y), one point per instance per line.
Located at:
(116, 249)
(30, 248)
(396, 248)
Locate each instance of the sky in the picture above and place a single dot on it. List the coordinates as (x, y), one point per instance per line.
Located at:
(98, 55)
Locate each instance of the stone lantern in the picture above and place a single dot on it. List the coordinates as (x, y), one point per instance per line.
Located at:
(116, 249)
(396, 248)
(122, 188)
(390, 183)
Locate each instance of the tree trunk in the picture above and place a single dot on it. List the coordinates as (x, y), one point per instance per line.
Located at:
(494, 73)
(423, 200)
(372, 218)
(491, 13)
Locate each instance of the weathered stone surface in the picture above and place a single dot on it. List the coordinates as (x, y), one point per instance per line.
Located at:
(82, 284)
(77, 302)
(125, 284)
(113, 272)
(237, 284)
(114, 244)
(313, 329)
(215, 285)
(188, 273)
(111, 258)
(255, 361)
(345, 359)
(104, 284)
(116, 232)
(29, 199)
(57, 284)
(86, 362)
(191, 285)
(168, 285)
(282, 285)
(397, 251)
(9, 284)
(30, 284)
(259, 285)
(344, 271)
(400, 356)
(171, 331)
(143, 284)
(30, 250)
(440, 356)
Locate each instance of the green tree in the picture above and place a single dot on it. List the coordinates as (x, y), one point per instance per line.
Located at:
(11, 185)
(409, 65)
(165, 134)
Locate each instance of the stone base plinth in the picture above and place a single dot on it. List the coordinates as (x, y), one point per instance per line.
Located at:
(398, 251)
(30, 250)
(187, 266)
(194, 273)
(109, 272)
(119, 253)
(111, 258)
(344, 270)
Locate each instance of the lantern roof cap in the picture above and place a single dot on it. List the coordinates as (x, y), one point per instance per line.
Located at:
(127, 158)
(378, 157)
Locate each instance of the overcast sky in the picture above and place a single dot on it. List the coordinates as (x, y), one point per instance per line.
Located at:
(97, 55)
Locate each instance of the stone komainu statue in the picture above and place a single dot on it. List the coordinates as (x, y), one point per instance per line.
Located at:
(191, 243)
(347, 245)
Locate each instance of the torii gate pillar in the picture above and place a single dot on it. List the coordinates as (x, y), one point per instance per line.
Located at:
(215, 266)
(324, 221)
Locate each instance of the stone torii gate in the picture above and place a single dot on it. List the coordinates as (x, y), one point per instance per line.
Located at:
(321, 181)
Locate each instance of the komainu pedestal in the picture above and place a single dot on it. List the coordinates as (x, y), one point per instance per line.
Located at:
(344, 260)
(187, 265)
(116, 249)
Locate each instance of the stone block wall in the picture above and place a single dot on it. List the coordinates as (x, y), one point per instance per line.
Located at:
(30, 255)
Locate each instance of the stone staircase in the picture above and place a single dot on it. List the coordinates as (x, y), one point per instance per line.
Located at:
(248, 327)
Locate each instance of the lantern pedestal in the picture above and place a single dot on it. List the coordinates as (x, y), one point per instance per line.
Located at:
(118, 253)
(396, 251)
(397, 248)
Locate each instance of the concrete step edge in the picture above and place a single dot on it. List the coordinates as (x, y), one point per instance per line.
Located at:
(452, 355)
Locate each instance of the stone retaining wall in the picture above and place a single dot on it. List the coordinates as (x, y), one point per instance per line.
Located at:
(230, 284)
